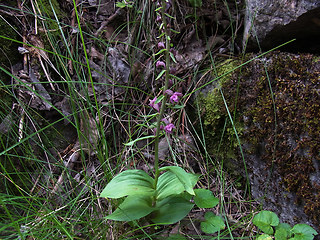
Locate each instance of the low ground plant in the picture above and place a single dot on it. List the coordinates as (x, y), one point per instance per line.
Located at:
(269, 223)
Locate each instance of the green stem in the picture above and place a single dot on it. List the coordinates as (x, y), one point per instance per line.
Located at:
(163, 106)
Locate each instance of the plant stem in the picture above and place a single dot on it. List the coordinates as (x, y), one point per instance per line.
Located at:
(163, 106)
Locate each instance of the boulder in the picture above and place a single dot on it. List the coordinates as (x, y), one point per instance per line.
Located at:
(269, 23)
(275, 105)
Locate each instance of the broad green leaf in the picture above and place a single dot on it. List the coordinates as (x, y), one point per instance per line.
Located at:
(132, 208)
(168, 184)
(303, 232)
(266, 237)
(282, 231)
(188, 180)
(205, 199)
(212, 223)
(129, 182)
(171, 210)
(265, 220)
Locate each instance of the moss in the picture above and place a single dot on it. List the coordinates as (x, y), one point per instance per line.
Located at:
(51, 8)
(295, 107)
(51, 31)
(8, 49)
(216, 119)
(220, 137)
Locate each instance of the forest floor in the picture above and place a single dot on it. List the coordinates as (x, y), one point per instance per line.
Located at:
(77, 79)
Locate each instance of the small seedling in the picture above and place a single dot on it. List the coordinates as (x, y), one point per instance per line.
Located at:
(124, 4)
(212, 223)
(268, 222)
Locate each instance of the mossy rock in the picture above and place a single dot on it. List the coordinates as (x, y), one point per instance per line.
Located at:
(275, 105)
(220, 136)
(8, 48)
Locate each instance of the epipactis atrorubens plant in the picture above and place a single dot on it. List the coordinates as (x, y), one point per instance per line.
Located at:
(167, 197)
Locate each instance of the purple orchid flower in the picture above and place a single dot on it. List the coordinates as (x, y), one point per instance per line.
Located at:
(160, 64)
(158, 19)
(161, 45)
(154, 105)
(175, 97)
(165, 121)
(169, 128)
(169, 92)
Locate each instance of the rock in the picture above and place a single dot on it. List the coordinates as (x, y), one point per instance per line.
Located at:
(272, 23)
(277, 119)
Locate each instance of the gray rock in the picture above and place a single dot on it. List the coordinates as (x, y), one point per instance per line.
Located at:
(279, 131)
(269, 23)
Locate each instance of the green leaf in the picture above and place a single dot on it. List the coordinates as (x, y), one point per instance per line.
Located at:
(160, 74)
(188, 180)
(195, 3)
(172, 57)
(161, 35)
(138, 139)
(169, 16)
(132, 208)
(159, 99)
(168, 184)
(303, 232)
(282, 231)
(281, 234)
(265, 237)
(129, 182)
(212, 223)
(171, 210)
(174, 31)
(265, 220)
(176, 237)
(158, 9)
(121, 5)
(161, 51)
(205, 199)
(178, 106)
